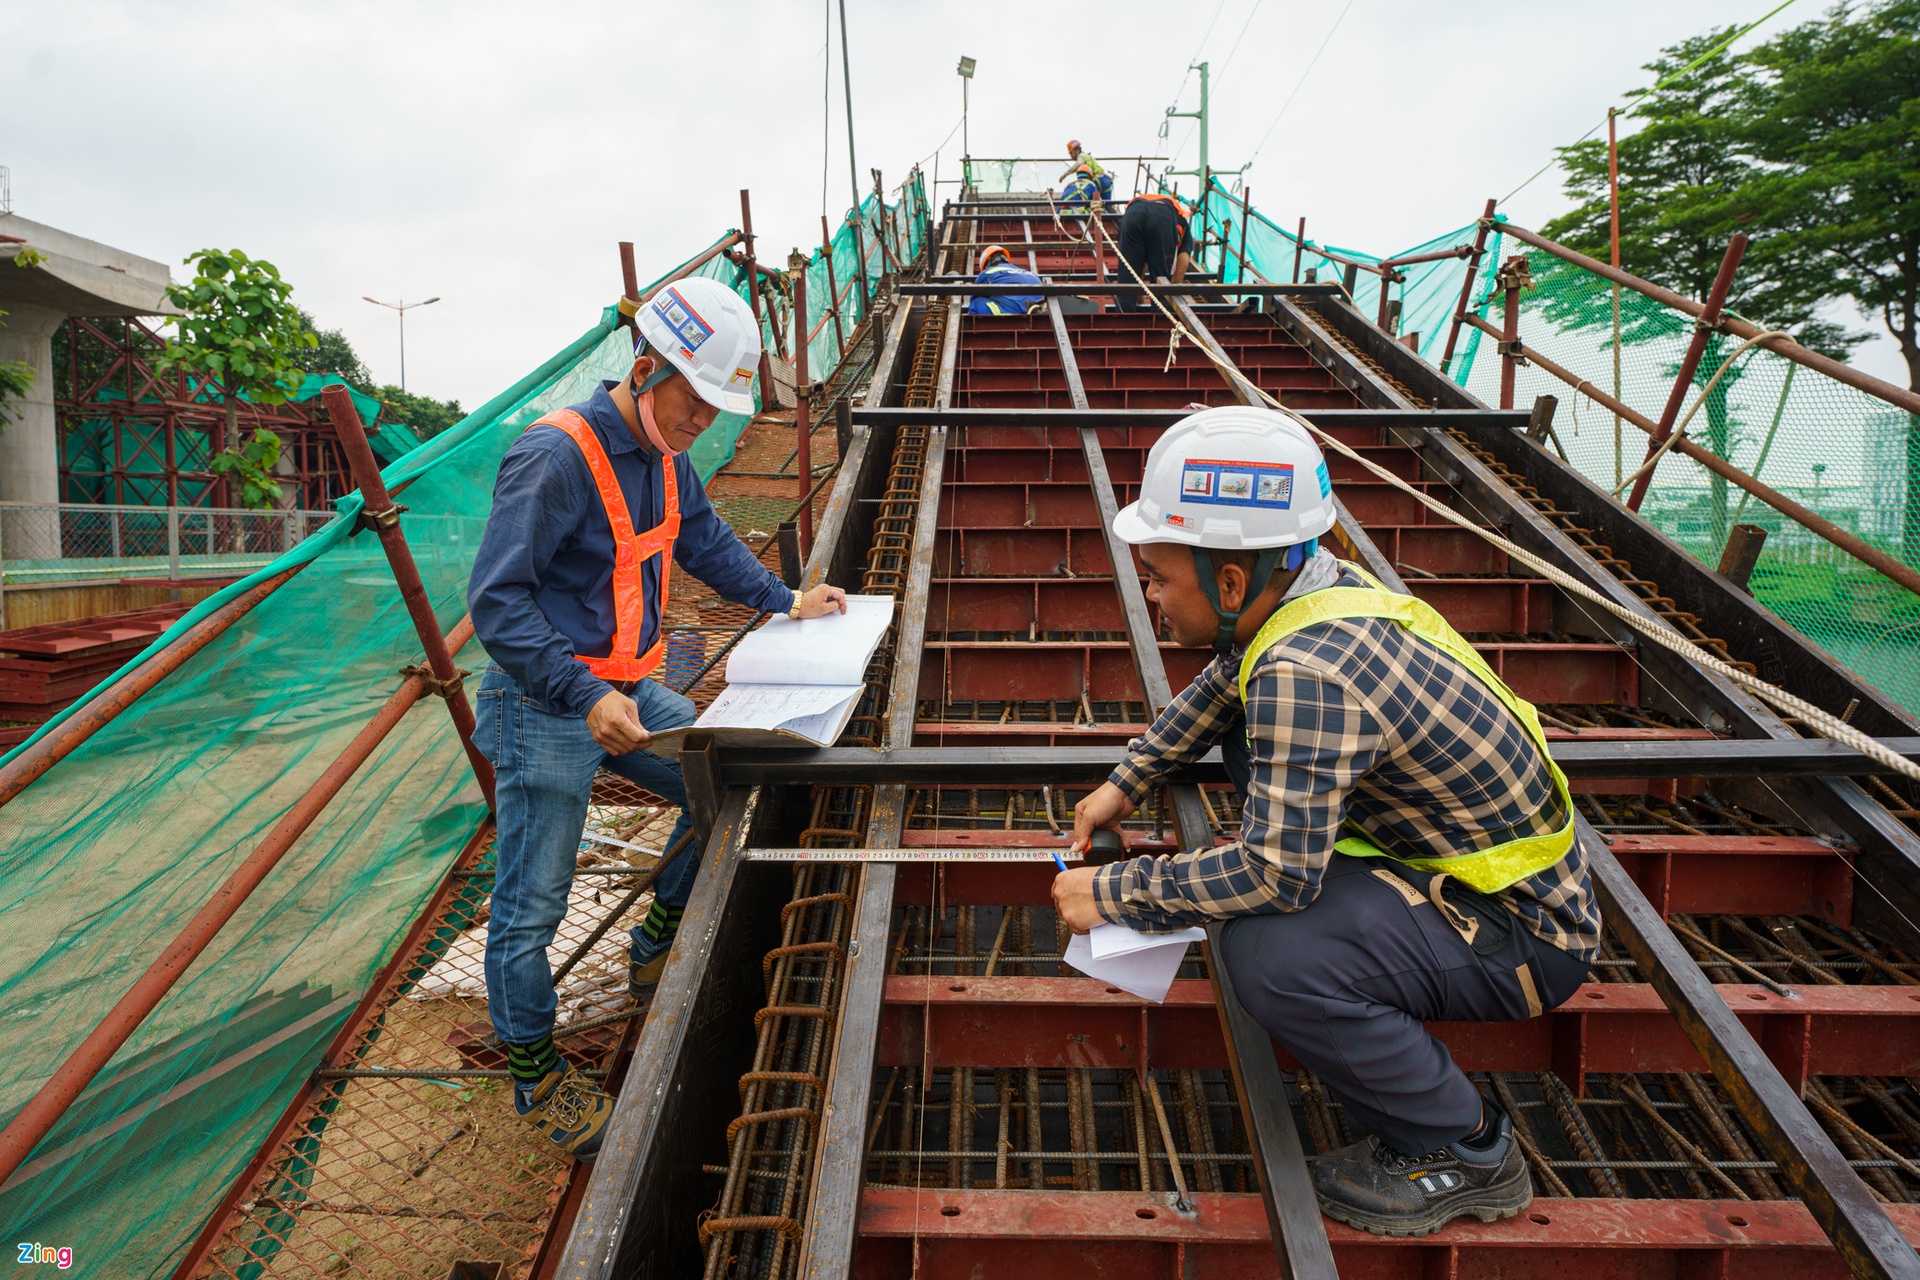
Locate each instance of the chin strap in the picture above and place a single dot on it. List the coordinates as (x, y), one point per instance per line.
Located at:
(1271, 558)
(642, 394)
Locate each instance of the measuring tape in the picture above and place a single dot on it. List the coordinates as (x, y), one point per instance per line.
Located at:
(907, 855)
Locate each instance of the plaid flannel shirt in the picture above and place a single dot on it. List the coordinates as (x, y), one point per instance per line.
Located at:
(1354, 721)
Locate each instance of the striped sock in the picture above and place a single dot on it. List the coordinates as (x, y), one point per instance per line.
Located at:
(658, 928)
(530, 1062)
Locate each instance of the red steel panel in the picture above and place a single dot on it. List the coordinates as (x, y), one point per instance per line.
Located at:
(948, 1234)
(1605, 1027)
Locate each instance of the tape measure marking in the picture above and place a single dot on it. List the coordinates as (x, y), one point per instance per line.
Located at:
(924, 854)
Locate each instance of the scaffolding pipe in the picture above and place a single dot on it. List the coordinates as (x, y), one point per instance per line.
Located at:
(62, 741)
(1852, 377)
(1865, 552)
(44, 1110)
(379, 511)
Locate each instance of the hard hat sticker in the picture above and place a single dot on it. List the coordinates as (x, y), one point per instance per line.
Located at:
(1197, 483)
(1237, 484)
(677, 314)
(742, 376)
(1326, 485)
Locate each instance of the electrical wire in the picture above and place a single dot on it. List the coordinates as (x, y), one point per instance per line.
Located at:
(1301, 81)
(1822, 722)
(1188, 74)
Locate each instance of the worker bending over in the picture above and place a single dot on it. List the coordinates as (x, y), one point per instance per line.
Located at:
(1406, 852)
(996, 267)
(569, 587)
(1081, 189)
(1085, 165)
(1155, 240)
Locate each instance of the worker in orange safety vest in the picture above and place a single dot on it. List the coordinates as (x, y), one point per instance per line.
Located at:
(592, 507)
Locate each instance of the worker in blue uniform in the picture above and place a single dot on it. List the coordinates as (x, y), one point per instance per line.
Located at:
(996, 267)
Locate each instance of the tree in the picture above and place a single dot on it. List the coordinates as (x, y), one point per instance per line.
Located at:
(1686, 187)
(330, 352)
(426, 416)
(1834, 124)
(240, 332)
(16, 379)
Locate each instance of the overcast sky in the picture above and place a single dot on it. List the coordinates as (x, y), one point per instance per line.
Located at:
(493, 154)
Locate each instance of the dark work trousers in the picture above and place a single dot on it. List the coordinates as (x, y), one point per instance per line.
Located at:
(1149, 241)
(1345, 983)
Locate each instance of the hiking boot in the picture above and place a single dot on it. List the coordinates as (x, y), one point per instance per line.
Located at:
(570, 1110)
(1371, 1186)
(643, 975)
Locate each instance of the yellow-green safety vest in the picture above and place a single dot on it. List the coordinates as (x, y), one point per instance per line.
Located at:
(1488, 870)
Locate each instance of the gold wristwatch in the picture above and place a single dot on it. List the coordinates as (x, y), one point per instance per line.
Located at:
(794, 611)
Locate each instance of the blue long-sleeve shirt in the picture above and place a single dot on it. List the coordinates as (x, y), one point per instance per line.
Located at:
(542, 585)
(1010, 303)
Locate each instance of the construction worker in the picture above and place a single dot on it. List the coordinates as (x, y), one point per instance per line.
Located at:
(569, 586)
(996, 267)
(1155, 239)
(1406, 852)
(1084, 163)
(1081, 189)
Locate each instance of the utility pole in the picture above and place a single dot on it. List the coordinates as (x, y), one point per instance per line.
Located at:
(402, 307)
(846, 80)
(1205, 170)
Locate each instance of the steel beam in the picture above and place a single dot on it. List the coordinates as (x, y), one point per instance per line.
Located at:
(830, 1234)
(952, 1234)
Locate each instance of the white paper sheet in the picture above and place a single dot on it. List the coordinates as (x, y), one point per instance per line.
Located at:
(772, 706)
(832, 650)
(1142, 964)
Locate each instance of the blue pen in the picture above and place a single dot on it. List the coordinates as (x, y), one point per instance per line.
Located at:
(1059, 861)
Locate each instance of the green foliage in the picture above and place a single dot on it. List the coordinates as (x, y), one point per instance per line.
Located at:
(426, 416)
(1833, 122)
(253, 464)
(28, 256)
(16, 379)
(1685, 189)
(328, 351)
(239, 327)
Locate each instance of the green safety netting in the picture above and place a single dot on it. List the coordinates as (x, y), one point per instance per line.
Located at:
(105, 857)
(889, 234)
(1840, 452)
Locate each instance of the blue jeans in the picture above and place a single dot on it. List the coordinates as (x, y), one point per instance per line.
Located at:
(544, 766)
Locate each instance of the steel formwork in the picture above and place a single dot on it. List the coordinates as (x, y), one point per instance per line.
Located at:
(884, 1068)
(1728, 1095)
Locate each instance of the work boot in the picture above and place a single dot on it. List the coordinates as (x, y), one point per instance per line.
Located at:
(569, 1110)
(647, 954)
(643, 975)
(1371, 1186)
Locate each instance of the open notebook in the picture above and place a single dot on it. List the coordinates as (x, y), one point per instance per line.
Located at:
(795, 683)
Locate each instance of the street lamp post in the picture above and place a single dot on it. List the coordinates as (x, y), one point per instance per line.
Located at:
(402, 307)
(966, 79)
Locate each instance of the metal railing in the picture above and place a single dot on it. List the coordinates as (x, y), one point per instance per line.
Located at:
(82, 542)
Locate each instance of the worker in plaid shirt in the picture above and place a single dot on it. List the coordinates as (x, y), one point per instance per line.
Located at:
(1406, 848)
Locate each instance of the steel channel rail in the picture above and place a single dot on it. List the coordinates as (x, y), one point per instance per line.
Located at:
(1299, 1231)
(829, 1236)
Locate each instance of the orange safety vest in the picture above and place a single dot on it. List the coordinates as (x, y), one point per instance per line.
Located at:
(630, 551)
(1185, 213)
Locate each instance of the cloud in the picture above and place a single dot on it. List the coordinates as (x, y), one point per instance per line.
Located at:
(494, 153)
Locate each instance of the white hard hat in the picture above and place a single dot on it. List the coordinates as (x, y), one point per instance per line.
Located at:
(1235, 477)
(706, 331)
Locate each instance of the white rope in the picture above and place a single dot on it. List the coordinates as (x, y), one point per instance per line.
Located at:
(1829, 726)
(1680, 430)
